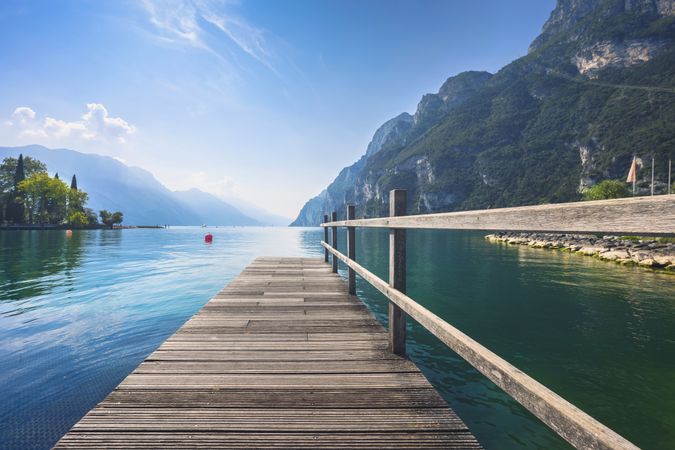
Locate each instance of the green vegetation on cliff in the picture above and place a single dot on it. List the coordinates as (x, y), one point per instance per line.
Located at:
(596, 89)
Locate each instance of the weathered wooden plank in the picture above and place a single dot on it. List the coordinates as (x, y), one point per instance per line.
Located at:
(283, 357)
(397, 271)
(636, 215)
(270, 367)
(571, 423)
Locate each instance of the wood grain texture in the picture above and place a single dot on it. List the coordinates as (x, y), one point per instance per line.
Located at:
(282, 358)
(571, 423)
(632, 216)
(398, 206)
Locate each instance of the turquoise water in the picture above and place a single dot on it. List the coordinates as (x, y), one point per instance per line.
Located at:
(78, 314)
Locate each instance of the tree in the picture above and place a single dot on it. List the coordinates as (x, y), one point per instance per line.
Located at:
(106, 217)
(78, 219)
(76, 200)
(606, 189)
(117, 217)
(111, 219)
(8, 169)
(44, 198)
(73, 183)
(12, 170)
(92, 218)
(56, 176)
(15, 207)
(20, 173)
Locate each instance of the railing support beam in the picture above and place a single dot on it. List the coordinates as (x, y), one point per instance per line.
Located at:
(397, 272)
(351, 248)
(325, 238)
(334, 241)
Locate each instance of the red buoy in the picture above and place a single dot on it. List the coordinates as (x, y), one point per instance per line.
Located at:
(208, 238)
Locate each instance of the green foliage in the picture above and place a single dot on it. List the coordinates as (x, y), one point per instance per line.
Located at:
(44, 198)
(106, 217)
(73, 182)
(117, 218)
(76, 200)
(78, 219)
(606, 189)
(111, 219)
(19, 174)
(518, 140)
(11, 170)
(92, 218)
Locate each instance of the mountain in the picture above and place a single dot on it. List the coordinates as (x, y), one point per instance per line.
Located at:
(596, 87)
(115, 186)
(260, 215)
(210, 209)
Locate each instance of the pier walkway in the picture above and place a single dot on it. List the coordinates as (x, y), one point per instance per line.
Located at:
(283, 357)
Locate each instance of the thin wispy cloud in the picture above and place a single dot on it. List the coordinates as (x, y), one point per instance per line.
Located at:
(202, 23)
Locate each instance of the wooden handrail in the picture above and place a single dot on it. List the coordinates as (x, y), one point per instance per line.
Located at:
(638, 215)
(571, 423)
(648, 216)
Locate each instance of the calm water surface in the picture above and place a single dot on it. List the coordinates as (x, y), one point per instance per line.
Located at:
(78, 314)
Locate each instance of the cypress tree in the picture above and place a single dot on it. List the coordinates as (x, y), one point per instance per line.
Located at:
(56, 176)
(15, 210)
(20, 173)
(73, 183)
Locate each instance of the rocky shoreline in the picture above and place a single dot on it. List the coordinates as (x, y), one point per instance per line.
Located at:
(657, 253)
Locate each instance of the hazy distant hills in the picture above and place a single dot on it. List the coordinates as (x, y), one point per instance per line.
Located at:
(209, 209)
(115, 186)
(596, 88)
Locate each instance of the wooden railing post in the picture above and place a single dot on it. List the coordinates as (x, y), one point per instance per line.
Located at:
(397, 271)
(334, 241)
(325, 238)
(351, 248)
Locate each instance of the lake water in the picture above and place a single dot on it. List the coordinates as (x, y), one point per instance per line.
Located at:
(78, 314)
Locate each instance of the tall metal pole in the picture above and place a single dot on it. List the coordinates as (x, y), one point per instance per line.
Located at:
(652, 175)
(634, 176)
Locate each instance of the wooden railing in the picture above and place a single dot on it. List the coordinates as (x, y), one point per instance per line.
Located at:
(642, 215)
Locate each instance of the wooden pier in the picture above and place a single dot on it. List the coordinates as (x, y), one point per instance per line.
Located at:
(283, 357)
(286, 356)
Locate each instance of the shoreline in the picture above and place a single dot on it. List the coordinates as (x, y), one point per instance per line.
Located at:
(654, 253)
(48, 227)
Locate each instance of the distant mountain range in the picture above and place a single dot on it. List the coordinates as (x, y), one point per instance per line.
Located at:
(596, 87)
(115, 186)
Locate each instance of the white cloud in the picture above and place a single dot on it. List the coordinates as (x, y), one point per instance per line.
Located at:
(98, 124)
(95, 124)
(23, 115)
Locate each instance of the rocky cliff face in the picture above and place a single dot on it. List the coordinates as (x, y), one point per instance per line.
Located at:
(596, 88)
(591, 60)
(393, 134)
(575, 19)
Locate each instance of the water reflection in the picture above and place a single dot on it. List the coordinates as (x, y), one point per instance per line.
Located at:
(597, 333)
(78, 315)
(30, 261)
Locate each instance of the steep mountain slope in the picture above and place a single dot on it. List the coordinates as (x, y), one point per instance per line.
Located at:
(391, 136)
(115, 186)
(597, 87)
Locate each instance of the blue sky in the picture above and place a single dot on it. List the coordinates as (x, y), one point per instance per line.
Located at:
(262, 100)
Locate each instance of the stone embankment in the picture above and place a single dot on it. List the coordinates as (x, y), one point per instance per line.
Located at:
(658, 253)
